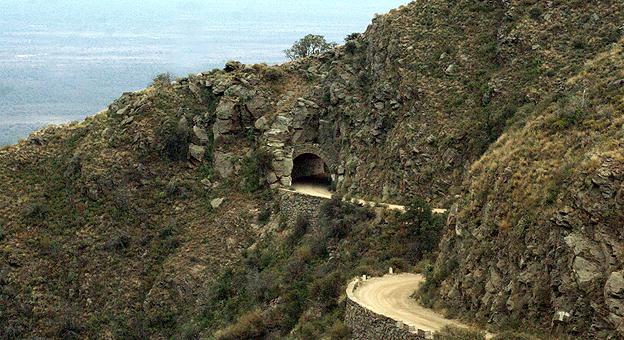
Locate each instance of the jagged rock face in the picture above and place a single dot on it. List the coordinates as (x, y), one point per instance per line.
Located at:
(538, 231)
(401, 97)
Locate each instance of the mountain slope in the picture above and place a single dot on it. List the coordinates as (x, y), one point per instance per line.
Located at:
(538, 229)
(110, 227)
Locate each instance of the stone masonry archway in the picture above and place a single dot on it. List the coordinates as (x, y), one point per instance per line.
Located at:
(309, 168)
(316, 150)
(311, 161)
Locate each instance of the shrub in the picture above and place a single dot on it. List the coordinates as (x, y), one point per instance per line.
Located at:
(68, 328)
(309, 45)
(175, 137)
(35, 211)
(353, 36)
(327, 289)
(535, 12)
(248, 326)
(422, 231)
(337, 217)
(339, 331)
(264, 215)
(162, 79)
(255, 169)
(513, 336)
(118, 243)
(456, 333)
(573, 112)
(300, 228)
(273, 73)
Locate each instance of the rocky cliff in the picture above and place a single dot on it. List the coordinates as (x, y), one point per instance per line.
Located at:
(509, 111)
(537, 232)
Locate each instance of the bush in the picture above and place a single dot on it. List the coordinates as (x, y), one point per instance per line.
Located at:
(352, 36)
(118, 243)
(339, 331)
(162, 79)
(421, 230)
(273, 74)
(309, 45)
(300, 228)
(535, 12)
(455, 333)
(327, 289)
(264, 215)
(513, 336)
(175, 137)
(35, 211)
(255, 169)
(337, 217)
(249, 326)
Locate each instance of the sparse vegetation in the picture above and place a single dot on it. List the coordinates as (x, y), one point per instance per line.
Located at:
(255, 170)
(309, 269)
(455, 333)
(107, 227)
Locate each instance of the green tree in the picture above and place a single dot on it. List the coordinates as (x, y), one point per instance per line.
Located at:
(309, 45)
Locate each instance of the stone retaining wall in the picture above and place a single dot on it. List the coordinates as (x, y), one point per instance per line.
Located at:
(365, 324)
(293, 204)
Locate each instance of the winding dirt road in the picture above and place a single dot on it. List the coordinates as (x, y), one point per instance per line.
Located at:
(390, 296)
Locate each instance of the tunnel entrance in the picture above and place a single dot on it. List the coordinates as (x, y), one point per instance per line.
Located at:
(310, 169)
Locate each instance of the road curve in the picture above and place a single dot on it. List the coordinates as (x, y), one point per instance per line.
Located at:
(390, 296)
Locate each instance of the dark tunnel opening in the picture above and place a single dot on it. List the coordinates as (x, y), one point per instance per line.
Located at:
(310, 169)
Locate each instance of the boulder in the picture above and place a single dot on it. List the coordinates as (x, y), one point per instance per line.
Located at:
(614, 296)
(257, 106)
(196, 91)
(272, 178)
(451, 69)
(222, 127)
(206, 183)
(223, 164)
(286, 181)
(233, 65)
(197, 152)
(281, 123)
(288, 165)
(262, 124)
(216, 203)
(200, 135)
(226, 108)
(586, 271)
(614, 288)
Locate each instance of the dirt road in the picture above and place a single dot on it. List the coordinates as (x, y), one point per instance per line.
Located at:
(323, 192)
(390, 296)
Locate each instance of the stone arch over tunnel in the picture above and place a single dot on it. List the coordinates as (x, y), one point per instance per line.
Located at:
(311, 165)
(310, 168)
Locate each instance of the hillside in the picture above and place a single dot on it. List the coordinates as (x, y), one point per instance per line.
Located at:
(525, 245)
(510, 112)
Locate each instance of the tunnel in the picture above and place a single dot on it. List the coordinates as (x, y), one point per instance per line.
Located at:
(309, 168)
